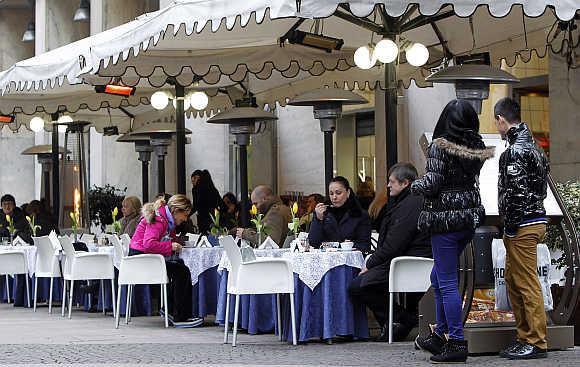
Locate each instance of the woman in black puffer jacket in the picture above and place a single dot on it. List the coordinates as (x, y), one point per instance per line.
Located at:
(451, 212)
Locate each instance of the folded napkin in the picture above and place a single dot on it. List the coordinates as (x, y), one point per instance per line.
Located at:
(19, 242)
(296, 245)
(204, 242)
(54, 241)
(191, 237)
(268, 244)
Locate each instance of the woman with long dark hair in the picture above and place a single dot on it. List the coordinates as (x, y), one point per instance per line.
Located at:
(207, 200)
(341, 219)
(451, 212)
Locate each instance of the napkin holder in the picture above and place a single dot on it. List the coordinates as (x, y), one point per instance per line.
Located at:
(18, 241)
(296, 245)
(204, 242)
(246, 251)
(268, 243)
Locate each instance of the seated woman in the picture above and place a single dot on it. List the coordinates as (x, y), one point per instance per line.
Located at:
(131, 208)
(342, 219)
(155, 234)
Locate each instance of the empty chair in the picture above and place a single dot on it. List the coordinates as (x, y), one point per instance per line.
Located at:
(261, 276)
(85, 266)
(141, 269)
(12, 263)
(47, 266)
(407, 274)
(118, 250)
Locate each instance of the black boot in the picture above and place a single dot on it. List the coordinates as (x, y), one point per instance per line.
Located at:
(454, 351)
(433, 343)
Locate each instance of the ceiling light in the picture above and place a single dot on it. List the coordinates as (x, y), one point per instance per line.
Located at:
(386, 51)
(159, 100)
(36, 124)
(417, 55)
(7, 119)
(314, 40)
(29, 34)
(186, 103)
(117, 90)
(199, 100)
(364, 57)
(83, 13)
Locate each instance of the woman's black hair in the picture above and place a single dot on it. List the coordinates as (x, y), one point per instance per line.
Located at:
(343, 181)
(205, 183)
(232, 199)
(458, 123)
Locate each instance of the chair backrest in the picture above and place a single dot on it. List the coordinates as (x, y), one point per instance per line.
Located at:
(233, 253)
(46, 261)
(87, 238)
(125, 241)
(374, 241)
(13, 262)
(143, 269)
(410, 274)
(53, 237)
(118, 251)
(67, 246)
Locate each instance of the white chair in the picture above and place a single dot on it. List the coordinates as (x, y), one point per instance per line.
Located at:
(85, 266)
(118, 250)
(141, 269)
(407, 274)
(261, 276)
(87, 238)
(12, 263)
(47, 266)
(125, 241)
(374, 241)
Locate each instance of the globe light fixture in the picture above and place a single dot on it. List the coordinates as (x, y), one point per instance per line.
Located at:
(29, 34)
(186, 103)
(364, 57)
(417, 55)
(159, 100)
(198, 100)
(386, 51)
(36, 124)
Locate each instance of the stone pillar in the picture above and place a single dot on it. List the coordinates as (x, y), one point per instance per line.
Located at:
(345, 148)
(564, 118)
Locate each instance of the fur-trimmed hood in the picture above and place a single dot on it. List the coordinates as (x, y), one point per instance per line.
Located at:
(463, 151)
(149, 212)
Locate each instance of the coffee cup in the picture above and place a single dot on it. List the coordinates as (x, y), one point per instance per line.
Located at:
(346, 245)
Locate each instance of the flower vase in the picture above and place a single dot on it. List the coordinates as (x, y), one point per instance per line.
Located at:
(11, 239)
(260, 240)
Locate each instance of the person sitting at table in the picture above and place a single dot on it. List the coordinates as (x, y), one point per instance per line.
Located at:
(341, 218)
(17, 216)
(155, 234)
(131, 208)
(398, 236)
(276, 216)
(41, 218)
(231, 212)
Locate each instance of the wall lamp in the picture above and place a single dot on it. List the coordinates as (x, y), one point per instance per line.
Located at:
(117, 90)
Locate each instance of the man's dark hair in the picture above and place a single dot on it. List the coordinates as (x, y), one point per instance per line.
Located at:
(508, 109)
(197, 172)
(7, 199)
(403, 171)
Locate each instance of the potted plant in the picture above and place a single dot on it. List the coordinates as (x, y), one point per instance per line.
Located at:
(116, 225)
(102, 201)
(216, 229)
(11, 228)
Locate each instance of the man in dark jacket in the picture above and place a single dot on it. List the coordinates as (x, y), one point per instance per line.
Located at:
(20, 224)
(522, 187)
(398, 236)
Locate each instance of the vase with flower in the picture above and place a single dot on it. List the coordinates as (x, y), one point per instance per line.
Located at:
(33, 226)
(11, 228)
(262, 229)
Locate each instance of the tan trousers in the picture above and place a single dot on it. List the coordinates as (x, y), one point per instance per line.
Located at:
(523, 285)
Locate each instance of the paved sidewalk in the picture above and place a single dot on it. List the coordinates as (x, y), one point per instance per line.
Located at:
(31, 339)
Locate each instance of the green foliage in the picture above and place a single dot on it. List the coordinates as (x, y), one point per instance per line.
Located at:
(102, 202)
(570, 193)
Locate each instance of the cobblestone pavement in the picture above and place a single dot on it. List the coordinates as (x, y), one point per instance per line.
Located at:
(30, 339)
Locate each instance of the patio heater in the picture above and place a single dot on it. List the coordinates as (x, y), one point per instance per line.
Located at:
(74, 177)
(327, 103)
(144, 148)
(472, 81)
(243, 121)
(44, 156)
(160, 136)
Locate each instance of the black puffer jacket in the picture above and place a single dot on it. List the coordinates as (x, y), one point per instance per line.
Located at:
(522, 185)
(452, 200)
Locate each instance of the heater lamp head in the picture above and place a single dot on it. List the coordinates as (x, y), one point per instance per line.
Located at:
(117, 90)
(7, 119)
(110, 130)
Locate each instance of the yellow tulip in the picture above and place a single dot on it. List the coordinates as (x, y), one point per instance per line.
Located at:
(7, 218)
(295, 208)
(72, 216)
(115, 211)
(254, 210)
(215, 212)
(28, 218)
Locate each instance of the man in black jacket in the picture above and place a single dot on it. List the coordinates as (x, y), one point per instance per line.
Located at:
(522, 188)
(18, 217)
(398, 236)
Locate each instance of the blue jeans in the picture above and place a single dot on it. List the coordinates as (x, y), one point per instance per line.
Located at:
(444, 278)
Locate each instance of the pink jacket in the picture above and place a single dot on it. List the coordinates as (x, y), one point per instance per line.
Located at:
(150, 232)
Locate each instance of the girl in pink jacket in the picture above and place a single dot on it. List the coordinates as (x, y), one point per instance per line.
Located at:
(155, 234)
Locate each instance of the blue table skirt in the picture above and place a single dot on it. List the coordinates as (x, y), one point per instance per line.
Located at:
(205, 293)
(18, 296)
(323, 313)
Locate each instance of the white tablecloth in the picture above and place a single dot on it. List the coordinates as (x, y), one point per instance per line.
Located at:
(278, 252)
(200, 259)
(30, 252)
(311, 266)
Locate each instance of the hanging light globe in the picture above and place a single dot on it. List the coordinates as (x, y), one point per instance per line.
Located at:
(199, 100)
(36, 124)
(186, 103)
(386, 51)
(159, 100)
(364, 57)
(417, 55)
